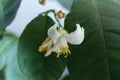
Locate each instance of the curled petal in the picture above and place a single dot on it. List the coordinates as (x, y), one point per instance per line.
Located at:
(61, 41)
(48, 53)
(77, 36)
(53, 33)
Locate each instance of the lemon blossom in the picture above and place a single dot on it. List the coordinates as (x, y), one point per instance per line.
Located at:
(58, 39)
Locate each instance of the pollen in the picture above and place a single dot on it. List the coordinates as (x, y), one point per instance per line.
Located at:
(63, 50)
(46, 46)
(44, 49)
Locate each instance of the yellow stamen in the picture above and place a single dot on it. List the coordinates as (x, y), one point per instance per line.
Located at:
(48, 49)
(46, 46)
(63, 50)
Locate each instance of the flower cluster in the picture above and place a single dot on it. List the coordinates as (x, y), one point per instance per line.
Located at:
(58, 39)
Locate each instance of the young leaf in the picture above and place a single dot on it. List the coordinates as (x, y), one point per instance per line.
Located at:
(98, 58)
(8, 9)
(33, 63)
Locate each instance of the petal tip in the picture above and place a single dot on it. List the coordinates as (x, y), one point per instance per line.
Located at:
(47, 54)
(78, 24)
(77, 36)
(79, 27)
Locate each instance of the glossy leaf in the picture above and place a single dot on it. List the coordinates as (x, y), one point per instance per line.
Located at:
(98, 57)
(66, 3)
(33, 63)
(8, 9)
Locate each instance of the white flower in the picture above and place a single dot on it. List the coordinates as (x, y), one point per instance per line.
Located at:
(57, 40)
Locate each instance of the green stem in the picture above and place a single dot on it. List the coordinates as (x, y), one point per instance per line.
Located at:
(53, 11)
(57, 19)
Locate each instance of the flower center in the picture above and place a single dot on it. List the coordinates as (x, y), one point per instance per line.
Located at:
(62, 31)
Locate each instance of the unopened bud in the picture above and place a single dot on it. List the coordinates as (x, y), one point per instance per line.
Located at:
(42, 2)
(60, 14)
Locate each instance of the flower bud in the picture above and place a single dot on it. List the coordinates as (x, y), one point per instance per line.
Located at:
(42, 2)
(60, 14)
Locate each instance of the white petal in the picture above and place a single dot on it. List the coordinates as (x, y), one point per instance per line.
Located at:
(61, 41)
(53, 33)
(77, 36)
(48, 53)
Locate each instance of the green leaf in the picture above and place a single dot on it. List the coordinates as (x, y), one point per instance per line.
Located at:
(12, 71)
(8, 60)
(33, 63)
(6, 45)
(8, 9)
(98, 57)
(2, 77)
(2, 31)
(66, 3)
